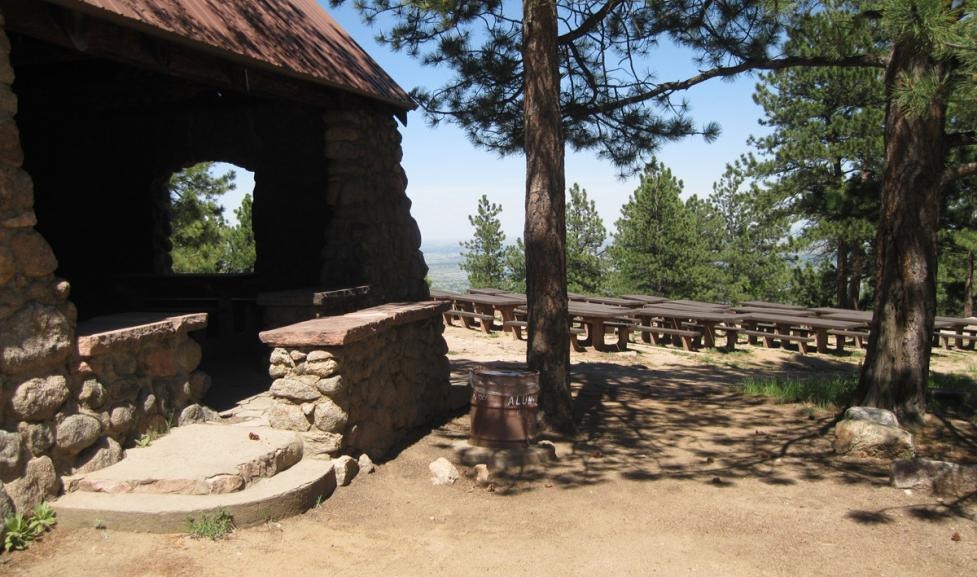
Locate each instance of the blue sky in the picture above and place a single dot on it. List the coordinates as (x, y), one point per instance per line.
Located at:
(447, 174)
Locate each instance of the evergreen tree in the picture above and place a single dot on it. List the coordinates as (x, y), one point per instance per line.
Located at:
(515, 267)
(484, 256)
(585, 244)
(197, 218)
(239, 249)
(654, 239)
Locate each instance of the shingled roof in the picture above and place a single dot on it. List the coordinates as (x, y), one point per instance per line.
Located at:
(296, 38)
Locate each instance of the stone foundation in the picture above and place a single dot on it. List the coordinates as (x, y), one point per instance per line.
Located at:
(359, 382)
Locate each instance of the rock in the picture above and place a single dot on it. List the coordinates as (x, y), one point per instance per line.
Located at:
(277, 371)
(322, 369)
(39, 483)
(332, 387)
(941, 477)
(346, 468)
(38, 399)
(188, 355)
(220, 484)
(366, 464)
(121, 418)
(330, 417)
(10, 444)
(35, 339)
(289, 417)
(869, 439)
(318, 356)
(443, 472)
(297, 356)
(319, 444)
(106, 452)
(33, 255)
(482, 474)
(92, 394)
(125, 364)
(38, 437)
(7, 266)
(160, 361)
(281, 357)
(294, 390)
(76, 432)
(197, 414)
(873, 415)
(147, 402)
(197, 386)
(6, 504)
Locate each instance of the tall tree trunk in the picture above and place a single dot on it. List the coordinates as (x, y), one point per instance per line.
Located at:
(545, 231)
(857, 270)
(841, 276)
(896, 366)
(968, 287)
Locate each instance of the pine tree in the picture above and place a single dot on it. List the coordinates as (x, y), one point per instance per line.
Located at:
(585, 244)
(484, 256)
(239, 248)
(197, 218)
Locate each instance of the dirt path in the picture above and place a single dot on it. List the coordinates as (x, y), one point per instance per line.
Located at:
(674, 473)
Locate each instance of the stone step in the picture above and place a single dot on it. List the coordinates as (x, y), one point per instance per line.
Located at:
(288, 493)
(198, 459)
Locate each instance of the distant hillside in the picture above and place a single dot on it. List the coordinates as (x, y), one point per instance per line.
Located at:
(443, 259)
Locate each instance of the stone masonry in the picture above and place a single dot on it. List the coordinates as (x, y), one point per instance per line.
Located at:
(359, 382)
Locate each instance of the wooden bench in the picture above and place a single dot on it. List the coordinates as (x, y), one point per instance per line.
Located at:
(945, 336)
(859, 336)
(518, 326)
(484, 320)
(768, 337)
(687, 336)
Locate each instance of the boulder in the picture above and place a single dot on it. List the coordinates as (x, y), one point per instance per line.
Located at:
(319, 445)
(39, 483)
(443, 472)
(346, 468)
(38, 437)
(76, 432)
(106, 452)
(294, 389)
(873, 415)
(366, 464)
(941, 477)
(36, 338)
(92, 394)
(289, 417)
(329, 416)
(483, 476)
(860, 438)
(6, 505)
(10, 444)
(197, 414)
(38, 399)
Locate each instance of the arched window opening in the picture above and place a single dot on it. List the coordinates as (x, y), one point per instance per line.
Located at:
(210, 219)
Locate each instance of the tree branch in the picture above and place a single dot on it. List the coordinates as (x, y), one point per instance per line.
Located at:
(862, 60)
(959, 139)
(588, 24)
(959, 171)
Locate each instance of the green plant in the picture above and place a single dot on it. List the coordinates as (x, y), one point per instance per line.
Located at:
(21, 530)
(212, 526)
(820, 391)
(146, 439)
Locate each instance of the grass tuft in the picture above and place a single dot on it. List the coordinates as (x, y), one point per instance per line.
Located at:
(820, 391)
(215, 526)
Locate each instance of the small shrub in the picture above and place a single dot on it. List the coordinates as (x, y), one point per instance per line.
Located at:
(213, 527)
(21, 530)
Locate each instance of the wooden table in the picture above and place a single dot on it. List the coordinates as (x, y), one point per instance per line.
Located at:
(763, 310)
(612, 301)
(487, 305)
(818, 325)
(595, 318)
(647, 299)
(770, 305)
(709, 319)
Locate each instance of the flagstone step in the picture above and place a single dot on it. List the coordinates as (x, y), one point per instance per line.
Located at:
(199, 459)
(288, 493)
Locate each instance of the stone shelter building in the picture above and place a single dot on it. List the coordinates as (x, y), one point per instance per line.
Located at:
(100, 102)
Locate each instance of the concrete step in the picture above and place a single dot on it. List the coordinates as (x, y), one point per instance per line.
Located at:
(288, 493)
(199, 459)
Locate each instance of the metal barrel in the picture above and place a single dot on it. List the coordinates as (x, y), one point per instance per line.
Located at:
(504, 407)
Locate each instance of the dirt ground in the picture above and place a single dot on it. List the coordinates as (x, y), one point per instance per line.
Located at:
(674, 473)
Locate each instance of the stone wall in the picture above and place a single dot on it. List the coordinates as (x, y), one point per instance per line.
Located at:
(372, 238)
(37, 324)
(359, 382)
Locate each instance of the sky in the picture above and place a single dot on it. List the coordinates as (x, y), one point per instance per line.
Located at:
(447, 174)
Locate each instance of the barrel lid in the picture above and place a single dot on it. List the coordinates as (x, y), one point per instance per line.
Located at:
(504, 372)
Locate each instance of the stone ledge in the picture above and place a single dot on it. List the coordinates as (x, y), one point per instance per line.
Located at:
(309, 297)
(349, 328)
(101, 334)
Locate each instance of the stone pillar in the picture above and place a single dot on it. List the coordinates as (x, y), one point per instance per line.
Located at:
(372, 238)
(37, 326)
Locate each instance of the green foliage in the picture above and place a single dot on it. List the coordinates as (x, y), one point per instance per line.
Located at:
(484, 255)
(585, 244)
(514, 262)
(202, 240)
(20, 530)
(820, 391)
(214, 526)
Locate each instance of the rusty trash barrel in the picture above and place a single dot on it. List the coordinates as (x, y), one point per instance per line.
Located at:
(504, 407)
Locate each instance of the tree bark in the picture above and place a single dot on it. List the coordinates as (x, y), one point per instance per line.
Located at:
(896, 367)
(857, 270)
(841, 275)
(968, 287)
(548, 348)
